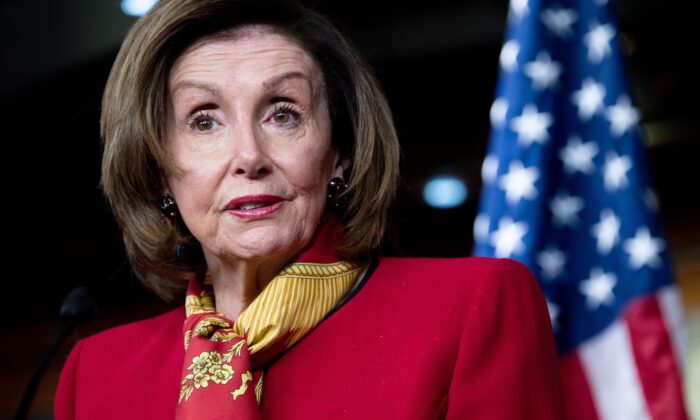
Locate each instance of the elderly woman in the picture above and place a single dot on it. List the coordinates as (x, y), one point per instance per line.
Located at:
(250, 158)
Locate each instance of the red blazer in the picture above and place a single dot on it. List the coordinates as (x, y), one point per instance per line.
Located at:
(464, 338)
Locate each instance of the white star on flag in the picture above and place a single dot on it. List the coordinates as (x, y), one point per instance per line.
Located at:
(509, 55)
(551, 261)
(532, 125)
(597, 41)
(589, 99)
(598, 288)
(578, 156)
(622, 116)
(553, 310)
(644, 249)
(559, 21)
(481, 227)
(606, 232)
(519, 8)
(615, 171)
(543, 71)
(498, 112)
(489, 169)
(508, 239)
(565, 209)
(519, 182)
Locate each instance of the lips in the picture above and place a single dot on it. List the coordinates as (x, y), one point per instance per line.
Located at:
(254, 206)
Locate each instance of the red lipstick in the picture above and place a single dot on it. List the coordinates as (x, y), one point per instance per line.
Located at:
(254, 206)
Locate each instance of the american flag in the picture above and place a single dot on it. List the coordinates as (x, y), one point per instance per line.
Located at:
(567, 192)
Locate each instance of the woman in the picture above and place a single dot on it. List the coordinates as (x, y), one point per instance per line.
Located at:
(231, 129)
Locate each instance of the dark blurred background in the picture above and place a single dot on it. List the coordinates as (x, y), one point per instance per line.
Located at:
(438, 63)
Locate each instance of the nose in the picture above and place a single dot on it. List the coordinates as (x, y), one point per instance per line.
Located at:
(249, 158)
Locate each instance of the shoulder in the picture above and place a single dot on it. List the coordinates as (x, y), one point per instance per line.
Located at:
(107, 368)
(468, 275)
(133, 340)
(462, 290)
(455, 266)
(448, 293)
(167, 326)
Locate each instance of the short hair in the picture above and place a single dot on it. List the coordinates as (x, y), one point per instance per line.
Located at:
(135, 108)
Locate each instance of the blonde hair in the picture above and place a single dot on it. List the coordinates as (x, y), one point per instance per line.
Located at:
(135, 108)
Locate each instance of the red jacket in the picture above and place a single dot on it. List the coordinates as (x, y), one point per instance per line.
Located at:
(464, 338)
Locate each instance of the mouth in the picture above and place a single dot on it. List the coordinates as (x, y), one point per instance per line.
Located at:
(254, 206)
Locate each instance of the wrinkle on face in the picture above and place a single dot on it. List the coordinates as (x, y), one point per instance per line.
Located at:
(236, 85)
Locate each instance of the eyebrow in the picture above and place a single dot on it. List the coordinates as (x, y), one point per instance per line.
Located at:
(272, 84)
(188, 84)
(277, 80)
(268, 85)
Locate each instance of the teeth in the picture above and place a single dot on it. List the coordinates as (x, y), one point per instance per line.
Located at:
(251, 206)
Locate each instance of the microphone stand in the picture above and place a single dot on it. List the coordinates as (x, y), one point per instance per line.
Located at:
(77, 308)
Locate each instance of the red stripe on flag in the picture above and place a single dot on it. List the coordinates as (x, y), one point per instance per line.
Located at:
(577, 394)
(654, 357)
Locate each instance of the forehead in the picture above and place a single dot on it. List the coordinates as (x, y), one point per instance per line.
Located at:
(255, 51)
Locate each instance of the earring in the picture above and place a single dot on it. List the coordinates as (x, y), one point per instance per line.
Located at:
(336, 186)
(168, 207)
(186, 251)
(181, 250)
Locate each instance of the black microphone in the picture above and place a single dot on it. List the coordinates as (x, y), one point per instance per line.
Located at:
(78, 308)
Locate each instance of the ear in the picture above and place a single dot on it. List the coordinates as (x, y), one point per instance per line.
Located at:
(342, 164)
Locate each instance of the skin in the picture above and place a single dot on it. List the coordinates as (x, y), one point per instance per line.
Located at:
(249, 116)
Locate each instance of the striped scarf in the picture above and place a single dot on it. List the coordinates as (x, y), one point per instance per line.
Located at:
(222, 375)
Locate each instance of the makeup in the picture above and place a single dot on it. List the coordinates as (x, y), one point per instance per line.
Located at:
(255, 206)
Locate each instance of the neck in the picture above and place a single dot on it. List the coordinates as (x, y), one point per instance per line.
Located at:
(237, 284)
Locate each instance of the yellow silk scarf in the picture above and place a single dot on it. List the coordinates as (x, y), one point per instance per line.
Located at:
(222, 357)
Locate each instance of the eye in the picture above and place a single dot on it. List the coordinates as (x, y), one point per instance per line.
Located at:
(281, 117)
(202, 122)
(285, 115)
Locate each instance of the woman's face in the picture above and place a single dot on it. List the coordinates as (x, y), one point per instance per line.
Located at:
(250, 132)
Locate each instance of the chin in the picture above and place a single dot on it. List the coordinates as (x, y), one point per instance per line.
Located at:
(265, 242)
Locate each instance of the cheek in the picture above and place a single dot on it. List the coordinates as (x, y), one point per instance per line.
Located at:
(317, 160)
(188, 159)
(312, 171)
(197, 170)
(194, 190)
